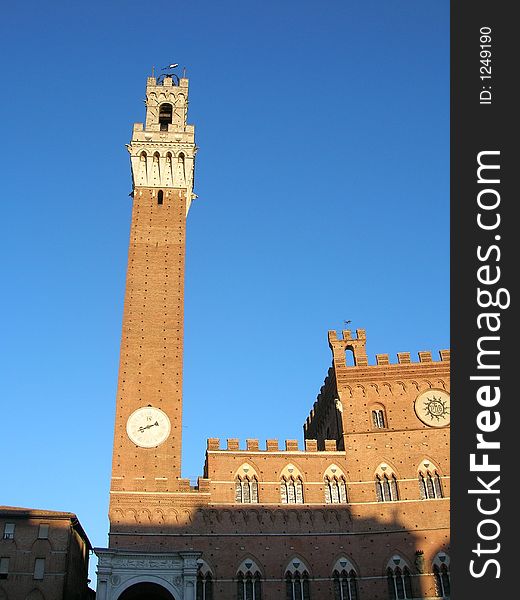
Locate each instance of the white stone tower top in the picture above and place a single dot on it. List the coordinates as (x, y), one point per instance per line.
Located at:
(163, 150)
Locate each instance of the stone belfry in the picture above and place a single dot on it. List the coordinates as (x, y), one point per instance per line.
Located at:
(147, 440)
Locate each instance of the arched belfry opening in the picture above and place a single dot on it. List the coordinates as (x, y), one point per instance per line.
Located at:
(350, 359)
(165, 116)
(146, 591)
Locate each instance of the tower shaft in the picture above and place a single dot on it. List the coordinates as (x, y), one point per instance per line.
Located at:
(148, 430)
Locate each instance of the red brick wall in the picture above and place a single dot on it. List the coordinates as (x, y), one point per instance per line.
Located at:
(150, 369)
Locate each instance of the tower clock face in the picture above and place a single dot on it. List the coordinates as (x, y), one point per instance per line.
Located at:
(148, 427)
(433, 408)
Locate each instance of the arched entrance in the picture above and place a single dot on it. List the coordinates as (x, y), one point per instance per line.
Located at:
(146, 591)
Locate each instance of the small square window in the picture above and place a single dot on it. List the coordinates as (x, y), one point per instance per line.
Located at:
(4, 567)
(43, 532)
(39, 568)
(9, 531)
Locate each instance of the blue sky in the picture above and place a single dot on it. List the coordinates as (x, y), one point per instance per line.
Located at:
(323, 184)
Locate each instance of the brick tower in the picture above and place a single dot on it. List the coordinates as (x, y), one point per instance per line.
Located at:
(146, 461)
(361, 511)
(147, 440)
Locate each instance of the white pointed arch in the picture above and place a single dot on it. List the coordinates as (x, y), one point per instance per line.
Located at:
(291, 470)
(205, 578)
(249, 566)
(441, 558)
(296, 576)
(397, 560)
(203, 567)
(296, 565)
(344, 564)
(335, 485)
(385, 468)
(333, 470)
(427, 464)
(291, 485)
(345, 580)
(246, 484)
(249, 579)
(246, 469)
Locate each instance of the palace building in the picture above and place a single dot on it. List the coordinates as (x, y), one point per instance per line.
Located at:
(44, 554)
(361, 512)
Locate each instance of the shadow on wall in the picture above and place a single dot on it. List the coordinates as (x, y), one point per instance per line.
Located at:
(296, 552)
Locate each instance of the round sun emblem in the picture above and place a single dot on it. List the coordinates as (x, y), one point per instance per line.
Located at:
(433, 408)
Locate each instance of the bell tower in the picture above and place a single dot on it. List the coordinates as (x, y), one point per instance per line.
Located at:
(147, 437)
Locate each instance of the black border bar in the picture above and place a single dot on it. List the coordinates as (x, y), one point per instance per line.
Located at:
(485, 265)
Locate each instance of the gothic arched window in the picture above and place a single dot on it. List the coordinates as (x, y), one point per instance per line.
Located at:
(386, 488)
(399, 583)
(442, 581)
(165, 116)
(430, 486)
(441, 572)
(291, 490)
(249, 586)
(344, 580)
(204, 589)
(297, 585)
(335, 490)
(249, 581)
(246, 489)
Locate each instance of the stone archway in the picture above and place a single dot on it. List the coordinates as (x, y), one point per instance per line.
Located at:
(146, 591)
(129, 575)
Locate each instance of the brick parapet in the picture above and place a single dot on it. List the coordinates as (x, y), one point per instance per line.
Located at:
(339, 345)
(341, 375)
(272, 446)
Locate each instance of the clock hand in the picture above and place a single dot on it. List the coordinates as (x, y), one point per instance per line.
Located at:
(141, 429)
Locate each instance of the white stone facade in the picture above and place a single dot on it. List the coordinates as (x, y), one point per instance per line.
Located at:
(118, 570)
(162, 153)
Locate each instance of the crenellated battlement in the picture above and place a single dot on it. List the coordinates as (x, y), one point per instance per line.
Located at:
(357, 345)
(342, 376)
(252, 445)
(162, 149)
